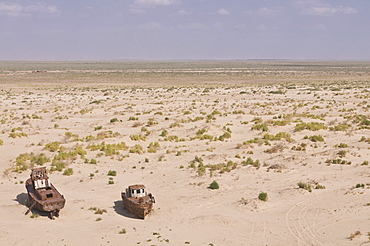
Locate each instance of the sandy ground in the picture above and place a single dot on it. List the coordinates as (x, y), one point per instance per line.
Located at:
(186, 211)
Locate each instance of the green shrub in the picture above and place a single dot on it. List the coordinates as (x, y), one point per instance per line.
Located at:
(59, 166)
(262, 127)
(214, 185)
(316, 138)
(262, 196)
(138, 149)
(341, 145)
(278, 136)
(164, 133)
(312, 126)
(98, 128)
(114, 120)
(68, 172)
(112, 173)
(305, 186)
(138, 137)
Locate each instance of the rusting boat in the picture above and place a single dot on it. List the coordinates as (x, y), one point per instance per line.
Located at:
(42, 195)
(137, 201)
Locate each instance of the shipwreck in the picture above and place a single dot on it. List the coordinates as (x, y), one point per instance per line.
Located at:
(42, 195)
(137, 201)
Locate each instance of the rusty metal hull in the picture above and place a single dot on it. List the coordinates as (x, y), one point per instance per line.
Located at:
(140, 207)
(47, 199)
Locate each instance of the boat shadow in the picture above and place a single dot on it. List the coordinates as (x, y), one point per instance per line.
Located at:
(121, 210)
(22, 199)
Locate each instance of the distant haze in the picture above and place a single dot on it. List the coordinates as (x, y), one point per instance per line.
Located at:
(184, 29)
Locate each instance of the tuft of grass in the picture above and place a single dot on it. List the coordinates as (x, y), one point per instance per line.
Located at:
(305, 186)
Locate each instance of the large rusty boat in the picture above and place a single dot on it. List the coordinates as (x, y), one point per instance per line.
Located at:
(42, 195)
(137, 201)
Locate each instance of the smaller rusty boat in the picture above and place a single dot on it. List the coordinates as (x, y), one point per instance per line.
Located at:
(42, 195)
(137, 201)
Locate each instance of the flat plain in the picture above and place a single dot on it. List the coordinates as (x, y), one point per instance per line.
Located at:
(287, 142)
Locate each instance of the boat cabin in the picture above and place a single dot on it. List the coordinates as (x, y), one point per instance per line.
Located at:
(41, 183)
(136, 191)
(40, 178)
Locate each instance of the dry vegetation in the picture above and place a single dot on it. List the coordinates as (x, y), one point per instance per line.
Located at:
(251, 127)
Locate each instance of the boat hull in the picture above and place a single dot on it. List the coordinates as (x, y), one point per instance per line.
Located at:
(50, 201)
(139, 207)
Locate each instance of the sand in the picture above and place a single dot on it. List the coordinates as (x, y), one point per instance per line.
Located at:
(187, 211)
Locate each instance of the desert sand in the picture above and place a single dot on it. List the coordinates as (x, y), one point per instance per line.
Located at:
(302, 139)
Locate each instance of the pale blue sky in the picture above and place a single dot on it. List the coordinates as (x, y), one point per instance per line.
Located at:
(184, 29)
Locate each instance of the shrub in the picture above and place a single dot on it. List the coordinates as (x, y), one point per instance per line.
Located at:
(342, 153)
(316, 138)
(262, 127)
(278, 136)
(214, 185)
(98, 128)
(312, 126)
(262, 196)
(305, 186)
(68, 172)
(138, 137)
(113, 120)
(138, 149)
(341, 145)
(60, 166)
(112, 173)
(164, 133)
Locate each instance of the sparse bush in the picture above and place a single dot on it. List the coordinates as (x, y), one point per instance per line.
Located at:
(138, 149)
(259, 127)
(319, 186)
(305, 186)
(342, 153)
(112, 173)
(164, 133)
(312, 126)
(97, 128)
(68, 172)
(316, 138)
(341, 145)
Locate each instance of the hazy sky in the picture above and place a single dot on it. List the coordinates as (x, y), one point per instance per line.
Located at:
(184, 29)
